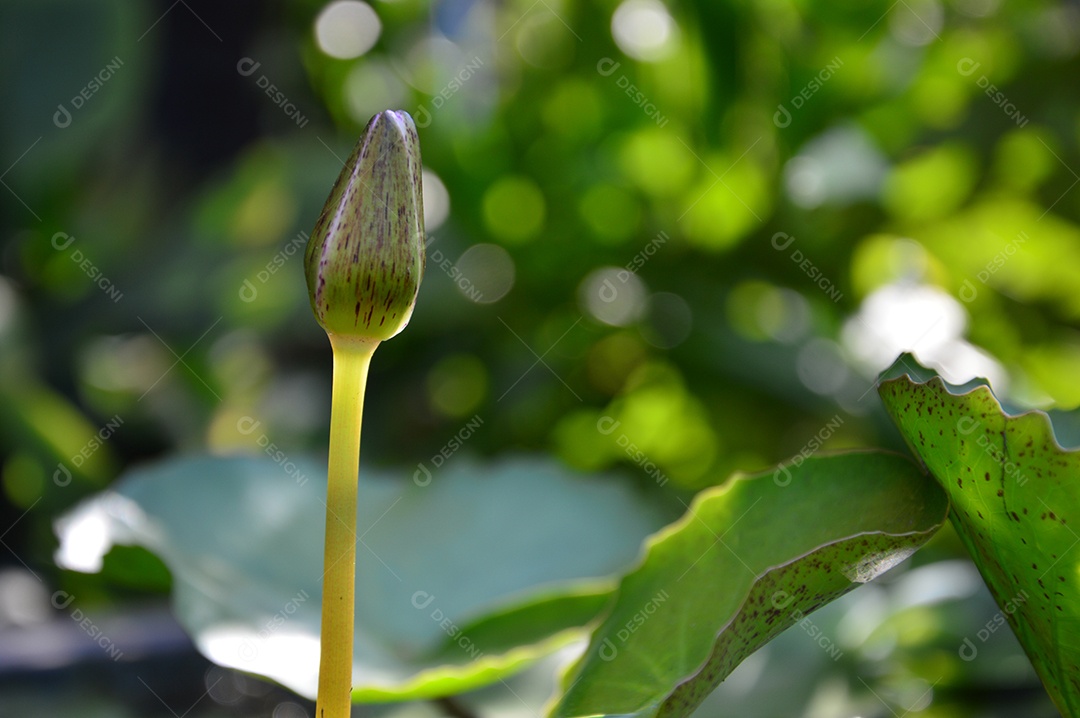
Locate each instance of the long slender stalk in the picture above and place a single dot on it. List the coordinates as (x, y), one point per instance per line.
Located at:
(352, 356)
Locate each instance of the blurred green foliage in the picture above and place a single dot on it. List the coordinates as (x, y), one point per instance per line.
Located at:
(159, 162)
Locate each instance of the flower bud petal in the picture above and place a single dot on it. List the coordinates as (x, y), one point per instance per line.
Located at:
(365, 258)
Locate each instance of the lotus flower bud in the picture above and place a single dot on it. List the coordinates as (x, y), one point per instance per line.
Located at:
(365, 258)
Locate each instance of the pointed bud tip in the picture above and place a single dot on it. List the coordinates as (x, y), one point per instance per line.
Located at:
(365, 258)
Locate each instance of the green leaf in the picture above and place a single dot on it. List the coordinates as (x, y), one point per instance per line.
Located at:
(1016, 506)
(523, 625)
(459, 583)
(749, 559)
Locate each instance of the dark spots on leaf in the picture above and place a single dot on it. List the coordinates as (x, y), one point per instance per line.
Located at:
(1014, 516)
(987, 475)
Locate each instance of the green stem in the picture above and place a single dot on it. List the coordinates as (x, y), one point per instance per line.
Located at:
(352, 356)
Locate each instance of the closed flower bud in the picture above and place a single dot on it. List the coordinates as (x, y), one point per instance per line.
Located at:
(365, 258)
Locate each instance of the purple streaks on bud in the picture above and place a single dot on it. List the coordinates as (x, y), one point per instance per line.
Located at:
(365, 258)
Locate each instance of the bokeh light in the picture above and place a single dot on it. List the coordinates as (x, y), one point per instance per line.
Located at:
(436, 201)
(514, 209)
(644, 29)
(613, 296)
(347, 28)
(457, 385)
(489, 271)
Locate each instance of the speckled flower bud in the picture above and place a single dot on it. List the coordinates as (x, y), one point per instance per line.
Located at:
(365, 258)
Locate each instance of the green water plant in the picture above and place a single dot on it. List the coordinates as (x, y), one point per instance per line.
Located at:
(363, 264)
(752, 555)
(1015, 506)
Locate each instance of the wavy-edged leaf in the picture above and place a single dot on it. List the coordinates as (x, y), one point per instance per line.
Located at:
(1015, 494)
(749, 559)
(459, 583)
